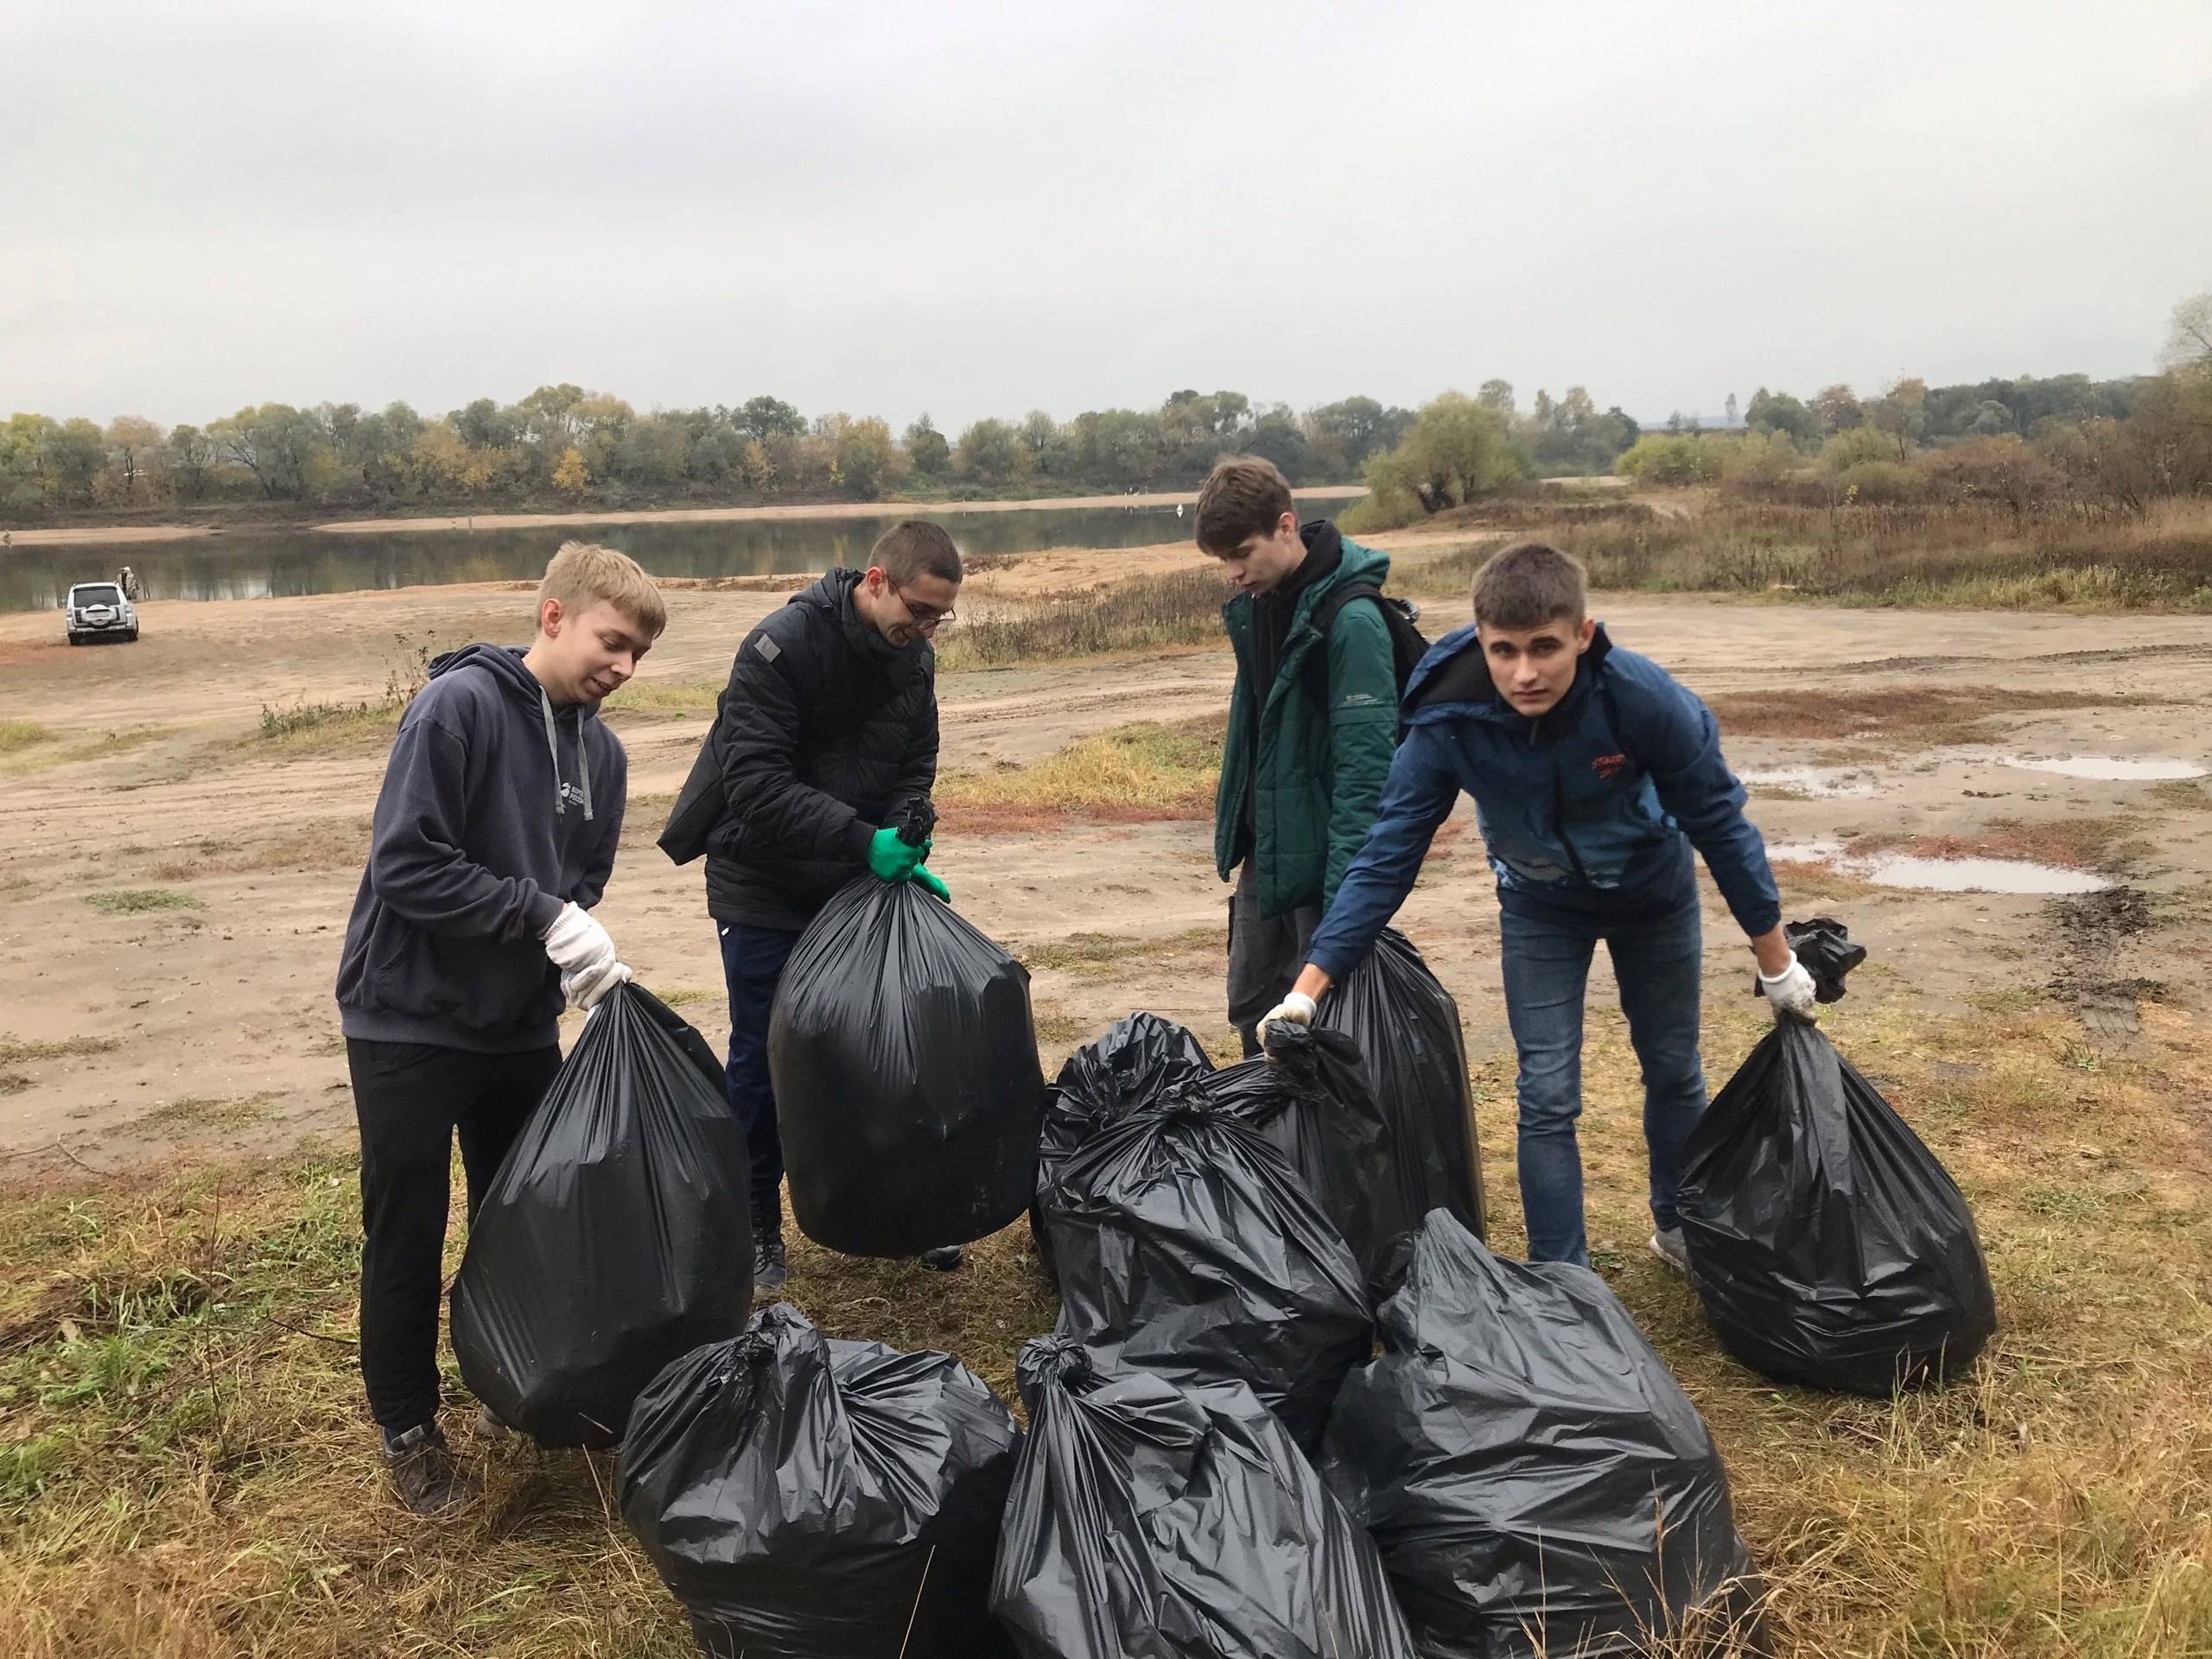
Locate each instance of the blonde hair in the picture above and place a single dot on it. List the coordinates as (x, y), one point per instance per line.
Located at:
(583, 572)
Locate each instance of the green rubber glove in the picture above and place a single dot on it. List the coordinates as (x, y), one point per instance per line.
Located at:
(890, 859)
(928, 878)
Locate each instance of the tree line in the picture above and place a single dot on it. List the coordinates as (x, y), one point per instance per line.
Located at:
(563, 445)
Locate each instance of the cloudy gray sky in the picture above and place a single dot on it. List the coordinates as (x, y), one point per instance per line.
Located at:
(974, 207)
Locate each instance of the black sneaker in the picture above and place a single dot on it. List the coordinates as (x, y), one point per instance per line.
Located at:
(423, 1471)
(943, 1260)
(768, 1259)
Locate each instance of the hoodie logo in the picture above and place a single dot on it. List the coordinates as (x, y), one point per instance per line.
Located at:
(769, 649)
(1610, 765)
(571, 794)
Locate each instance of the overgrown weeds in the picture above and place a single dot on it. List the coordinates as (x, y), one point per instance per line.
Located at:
(133, 901)
(1178, 607)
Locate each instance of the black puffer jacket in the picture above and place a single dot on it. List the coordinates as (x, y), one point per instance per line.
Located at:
(823, 728)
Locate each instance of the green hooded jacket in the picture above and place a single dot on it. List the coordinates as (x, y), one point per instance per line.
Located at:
(1317, 774)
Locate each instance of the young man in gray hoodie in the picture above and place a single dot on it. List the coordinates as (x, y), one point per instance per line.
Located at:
(493, 838)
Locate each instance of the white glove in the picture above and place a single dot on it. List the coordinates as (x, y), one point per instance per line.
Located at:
(584, 989)
(1791, 993)
(1297, 1008)
(577, 944)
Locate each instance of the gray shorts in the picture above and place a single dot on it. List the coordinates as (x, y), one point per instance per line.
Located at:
(1265, 953)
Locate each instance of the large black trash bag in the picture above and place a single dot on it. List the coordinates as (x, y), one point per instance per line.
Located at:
(617, 1235)
(1829, 1246)
(1536, 1478)
(1408, 1027)
(1311, 1100)
(1149, 1522)
(810, 1498)
(1188, 1246)
(1138, 1060)
(1825, 950)
(905, 1066)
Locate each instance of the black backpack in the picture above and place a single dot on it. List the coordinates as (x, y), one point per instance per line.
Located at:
(1409, 644)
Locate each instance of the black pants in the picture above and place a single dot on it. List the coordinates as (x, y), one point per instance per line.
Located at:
(411, 1099)
(1265, 955)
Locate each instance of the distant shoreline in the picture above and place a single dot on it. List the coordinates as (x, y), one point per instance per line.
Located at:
(118, 535)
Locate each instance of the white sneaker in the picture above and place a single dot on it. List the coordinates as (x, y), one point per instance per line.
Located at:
(1668, 1247)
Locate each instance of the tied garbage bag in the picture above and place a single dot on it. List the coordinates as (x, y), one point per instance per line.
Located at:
(1311, 1100)
(1825, 950)
(1536, 1480)
(1829, 1245)
(905, 1072)
(809, 1498)
(1188, 1246)
(1140, 1059)
(1408, 1027)
(616, 1236)
(1149, 1522)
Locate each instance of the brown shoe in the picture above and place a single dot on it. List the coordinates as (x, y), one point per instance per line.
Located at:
(423, 1471)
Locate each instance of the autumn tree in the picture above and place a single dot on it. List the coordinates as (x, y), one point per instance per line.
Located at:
(132, 441)
(570, 476)
(927, 448)
(992, 454)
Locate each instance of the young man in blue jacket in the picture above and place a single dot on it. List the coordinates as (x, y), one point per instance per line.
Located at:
(1594, 775)
(493, 838)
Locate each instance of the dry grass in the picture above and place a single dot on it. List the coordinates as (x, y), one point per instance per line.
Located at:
(662, 700)
(185, 1471)
(323, 844)
(1150, 773)
(17, 735)
(49, 752)
(1904, 713)
(194, 1114)
(15, 1050)
(1178, 607)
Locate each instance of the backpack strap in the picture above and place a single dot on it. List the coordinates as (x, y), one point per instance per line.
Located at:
(1315, 669)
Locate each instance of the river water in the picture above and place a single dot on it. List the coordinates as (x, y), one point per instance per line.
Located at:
(256, 564)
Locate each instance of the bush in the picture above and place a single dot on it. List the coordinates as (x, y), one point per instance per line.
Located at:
(1458, 450)
(1856, 446)
(1671, 459)
(1882, 483)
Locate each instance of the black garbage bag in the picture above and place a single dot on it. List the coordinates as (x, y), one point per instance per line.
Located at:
(1536, 1478)
(1829, 1245)
(905, 1066)
(1138, 1060)
(810, 1498)
(617, 1235)
(1188, 1246)
(1408, 1027)
(1825, 950)
(1150, 1522)
(1311, 1100)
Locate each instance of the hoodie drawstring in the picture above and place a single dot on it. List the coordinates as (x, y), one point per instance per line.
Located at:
(553, 748)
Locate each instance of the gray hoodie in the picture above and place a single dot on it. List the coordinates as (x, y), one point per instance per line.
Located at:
(496, 810)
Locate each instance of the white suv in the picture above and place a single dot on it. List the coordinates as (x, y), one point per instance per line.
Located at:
(99, 610)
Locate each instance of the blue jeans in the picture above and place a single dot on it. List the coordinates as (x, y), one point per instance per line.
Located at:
(1546, 967)
(753, 966)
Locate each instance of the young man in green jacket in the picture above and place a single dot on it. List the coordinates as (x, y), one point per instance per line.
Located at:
(1311, 723)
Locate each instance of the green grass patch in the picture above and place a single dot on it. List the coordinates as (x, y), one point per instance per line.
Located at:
(131, 901)
(1149, 772)
(208, 1112)
(668, 697)
(22, 735)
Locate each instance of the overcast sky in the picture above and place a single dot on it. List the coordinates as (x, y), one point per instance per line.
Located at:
(970, 207)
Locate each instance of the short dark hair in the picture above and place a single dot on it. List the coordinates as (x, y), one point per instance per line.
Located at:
(1530, 584)
(916, 548)
(1244, 495)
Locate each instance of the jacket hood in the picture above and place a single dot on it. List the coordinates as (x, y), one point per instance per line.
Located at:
(505, 665)
(1453, 680)
(832, 593)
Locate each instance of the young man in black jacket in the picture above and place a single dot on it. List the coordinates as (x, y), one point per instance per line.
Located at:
(828, 724)
(493, 836)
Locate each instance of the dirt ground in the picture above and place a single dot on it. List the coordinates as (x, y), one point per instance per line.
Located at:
(203, 1017)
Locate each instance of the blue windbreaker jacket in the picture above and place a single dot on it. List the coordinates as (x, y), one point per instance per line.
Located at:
(1588, 810)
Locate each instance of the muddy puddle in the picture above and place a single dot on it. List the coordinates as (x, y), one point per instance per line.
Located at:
(2107, 768)
(1813, 782)
(1942, 874)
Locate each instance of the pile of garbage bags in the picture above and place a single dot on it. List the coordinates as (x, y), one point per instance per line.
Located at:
(809, 1498)
(617, 1235)
(1533, 1475)
(905, 1066)
(1829, 1246)
(1155, 1521)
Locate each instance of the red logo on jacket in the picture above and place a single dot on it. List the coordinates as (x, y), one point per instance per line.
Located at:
(1610, 765)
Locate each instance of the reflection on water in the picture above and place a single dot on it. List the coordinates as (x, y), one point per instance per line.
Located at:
(259, 565)
(2110, 768)
(1942, 874)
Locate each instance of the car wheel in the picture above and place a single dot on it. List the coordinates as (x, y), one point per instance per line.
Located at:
(131, 638)
(76, 638)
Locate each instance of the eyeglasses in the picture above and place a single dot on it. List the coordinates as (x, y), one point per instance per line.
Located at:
(925, 620)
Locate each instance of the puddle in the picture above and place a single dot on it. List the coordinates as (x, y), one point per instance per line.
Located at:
(1943, 874)
(2110, 769)
(1814, 783)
